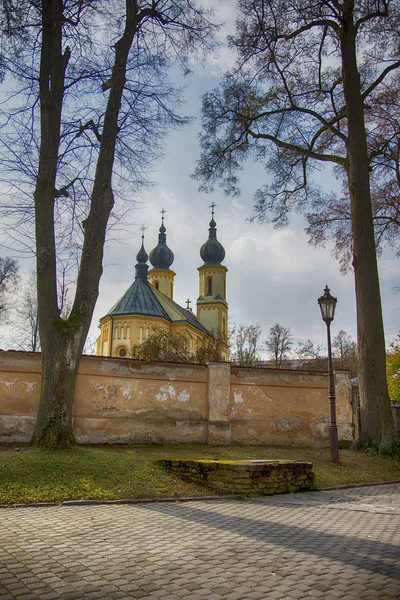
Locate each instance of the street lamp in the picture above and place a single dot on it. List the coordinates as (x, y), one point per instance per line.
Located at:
(327, 304)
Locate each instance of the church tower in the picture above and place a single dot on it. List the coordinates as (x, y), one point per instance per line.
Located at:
(161, 257)
(212, 308)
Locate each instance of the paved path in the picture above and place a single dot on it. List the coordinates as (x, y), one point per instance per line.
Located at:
(331, 545)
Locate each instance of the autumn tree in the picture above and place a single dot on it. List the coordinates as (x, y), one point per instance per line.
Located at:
(84, 124)
(279, 342)
(163, 345)
(176, 346)
(305, 77)
(393, 369)
(244, 348)
(332, 220)
(8, 281)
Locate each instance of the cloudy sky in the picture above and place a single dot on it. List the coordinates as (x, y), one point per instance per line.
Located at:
(274, 276)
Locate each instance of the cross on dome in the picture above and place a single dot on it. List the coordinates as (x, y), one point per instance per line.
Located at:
(212, 206)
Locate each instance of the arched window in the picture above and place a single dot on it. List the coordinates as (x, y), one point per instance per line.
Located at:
(172, 289)
(223, 325)
(156, 285)
(209, 286)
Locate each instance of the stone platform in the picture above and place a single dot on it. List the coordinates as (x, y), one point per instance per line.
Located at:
(246, 477)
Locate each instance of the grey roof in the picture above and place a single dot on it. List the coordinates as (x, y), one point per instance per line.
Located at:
(139, 299)
(191, 319)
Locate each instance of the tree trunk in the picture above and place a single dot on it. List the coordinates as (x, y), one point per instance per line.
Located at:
(59, 371)
(377, 424)
(62, 340)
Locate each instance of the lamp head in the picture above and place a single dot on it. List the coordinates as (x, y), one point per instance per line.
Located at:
(327, 304)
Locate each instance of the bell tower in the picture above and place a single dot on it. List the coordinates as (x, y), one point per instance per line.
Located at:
(212, 307)
(161, 257)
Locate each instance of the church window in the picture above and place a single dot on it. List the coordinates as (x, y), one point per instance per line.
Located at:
(209, 286)
(223, 326)
(122, 352)
(156, 284)
(172, 289)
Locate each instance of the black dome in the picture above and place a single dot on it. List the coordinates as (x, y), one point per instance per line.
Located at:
(212, 252)
(161, 257)
(141, 268)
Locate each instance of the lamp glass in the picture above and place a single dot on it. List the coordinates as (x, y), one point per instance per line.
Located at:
(327, 304)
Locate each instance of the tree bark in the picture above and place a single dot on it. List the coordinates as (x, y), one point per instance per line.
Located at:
(377, 424)
(63, 340)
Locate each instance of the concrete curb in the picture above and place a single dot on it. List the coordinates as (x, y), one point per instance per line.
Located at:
(121, 501)
(184, 499)
(357, 485)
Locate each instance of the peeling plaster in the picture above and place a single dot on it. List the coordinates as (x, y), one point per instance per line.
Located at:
(8, 383)
(284, 377)
(238, 398)
(183, 396)
(166, 392)
(284, 423)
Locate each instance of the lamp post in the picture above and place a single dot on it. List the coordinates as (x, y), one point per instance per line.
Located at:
(327, 304)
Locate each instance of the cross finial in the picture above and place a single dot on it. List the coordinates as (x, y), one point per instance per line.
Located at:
(212, 206)
(188, 303)
(143, 229)
(163, 211)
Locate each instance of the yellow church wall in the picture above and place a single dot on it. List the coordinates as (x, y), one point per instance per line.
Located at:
(133, 401)
(165, 279)
(131, 330)
(217, 274)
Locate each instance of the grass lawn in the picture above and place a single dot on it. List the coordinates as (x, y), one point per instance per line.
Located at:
(114, 472)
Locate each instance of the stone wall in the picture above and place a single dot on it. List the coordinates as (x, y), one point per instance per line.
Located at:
(247, 477)
(131, 401)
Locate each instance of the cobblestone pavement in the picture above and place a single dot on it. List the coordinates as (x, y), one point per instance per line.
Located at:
(331, 545)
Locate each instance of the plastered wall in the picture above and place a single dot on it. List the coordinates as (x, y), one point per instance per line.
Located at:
(129, 401)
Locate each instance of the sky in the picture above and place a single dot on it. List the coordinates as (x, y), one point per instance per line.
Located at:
(274, 276)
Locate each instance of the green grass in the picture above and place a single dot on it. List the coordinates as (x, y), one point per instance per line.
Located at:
(115, 472)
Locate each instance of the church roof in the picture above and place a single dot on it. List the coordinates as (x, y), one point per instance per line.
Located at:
(144, 300)
(139, 299)
(189, 317)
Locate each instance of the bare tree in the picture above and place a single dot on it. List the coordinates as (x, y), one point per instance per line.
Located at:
(313, 356)
(94, 95)
(345, 352)
(244, 345)
(306, 74)
(25, 332)
(8, 281)
(279, 342)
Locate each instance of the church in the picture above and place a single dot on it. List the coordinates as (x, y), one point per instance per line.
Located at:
(148, 304)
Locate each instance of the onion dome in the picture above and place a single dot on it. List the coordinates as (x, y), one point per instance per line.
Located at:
(141, 268)
(212, 252)
(161, 257)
